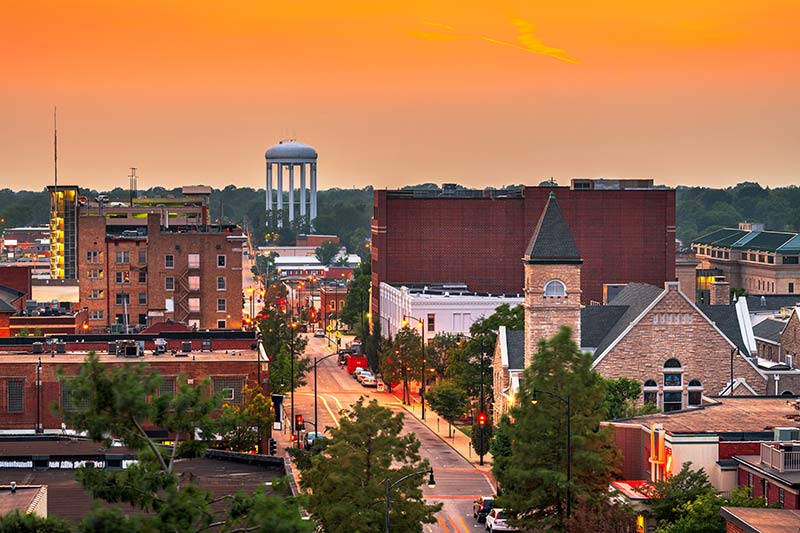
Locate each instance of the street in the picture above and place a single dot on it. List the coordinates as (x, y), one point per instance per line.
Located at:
(458, 482)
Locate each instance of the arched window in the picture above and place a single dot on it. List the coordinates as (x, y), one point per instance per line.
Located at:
(695, 392)
(672, 363)
(787, 393)
(650, 392)
(554, 288)
(673, 385)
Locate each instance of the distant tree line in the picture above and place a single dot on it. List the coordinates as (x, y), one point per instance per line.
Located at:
(347, 212)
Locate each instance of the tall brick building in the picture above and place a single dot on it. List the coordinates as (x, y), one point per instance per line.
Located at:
(478, 237)
(145, 264)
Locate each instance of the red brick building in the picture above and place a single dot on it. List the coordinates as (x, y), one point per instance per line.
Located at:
(152, 272)
(479, 237)
(331, 301)
(15, 285)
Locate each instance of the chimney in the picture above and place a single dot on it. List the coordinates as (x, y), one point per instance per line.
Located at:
(686, 274)
(720, 293)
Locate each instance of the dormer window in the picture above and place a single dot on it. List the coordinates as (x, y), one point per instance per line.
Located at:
(555, 288)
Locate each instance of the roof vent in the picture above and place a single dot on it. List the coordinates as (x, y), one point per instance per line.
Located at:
(763, 301)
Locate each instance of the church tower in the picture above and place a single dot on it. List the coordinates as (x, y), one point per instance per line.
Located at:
(552, 280)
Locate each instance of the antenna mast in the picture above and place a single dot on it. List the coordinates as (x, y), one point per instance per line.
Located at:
(55, 146)
(132, 184)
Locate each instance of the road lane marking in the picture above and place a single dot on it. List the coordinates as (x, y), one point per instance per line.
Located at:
(443, 525)
(327, 408)
(463, 524)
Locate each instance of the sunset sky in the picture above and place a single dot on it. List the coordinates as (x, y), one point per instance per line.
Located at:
(391, 92)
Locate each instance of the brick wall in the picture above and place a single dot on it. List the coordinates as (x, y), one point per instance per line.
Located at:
(623, 236)
(727, 449)
(702, 351)
(631, 442)
(18, 278)
(790, 338)
(51, 388)
(544, 316)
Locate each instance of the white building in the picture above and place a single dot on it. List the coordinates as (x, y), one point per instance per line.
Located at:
(442, 308)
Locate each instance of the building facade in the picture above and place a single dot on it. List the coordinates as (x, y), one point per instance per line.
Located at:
(478, 237)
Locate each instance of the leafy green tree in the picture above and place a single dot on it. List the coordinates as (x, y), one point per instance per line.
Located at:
(703, 513)
(481, 436)
(449, 401)
(602, 517)
(670, 494)
(622, 395)
(282, 342)
(327, 252)
(402, 360)
(356, 305)
(114, 403)
(32, 523)
(243, 426)
(348, 479)
(534, 476)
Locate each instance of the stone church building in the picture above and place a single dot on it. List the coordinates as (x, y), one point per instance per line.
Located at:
(676, 349)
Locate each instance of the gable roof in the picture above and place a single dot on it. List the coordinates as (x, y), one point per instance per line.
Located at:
(552, 240)
(597, 321)
(769, 330)
(515, 343)
(726, 319)
(6, 307)
(771, 302)
(635, 297)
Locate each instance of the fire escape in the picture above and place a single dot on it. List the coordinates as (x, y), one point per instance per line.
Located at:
(184, 292)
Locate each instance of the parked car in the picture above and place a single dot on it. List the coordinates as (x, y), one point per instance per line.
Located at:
(362, 375)
(311, 437)
(496, 521)
(369, 380)
(357, 372)
(319, 333)
(481, 507)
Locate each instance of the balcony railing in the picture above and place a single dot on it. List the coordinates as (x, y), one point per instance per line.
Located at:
(781, 457)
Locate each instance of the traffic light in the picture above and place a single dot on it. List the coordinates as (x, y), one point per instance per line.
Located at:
(273, 447)
(298, 423)
(482, 418)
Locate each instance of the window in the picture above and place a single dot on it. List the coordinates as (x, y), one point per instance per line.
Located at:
(229, 388)
(167, 387)
(672, 373)
(221, 324)
(695, 392)
(431, 321)
(169, 284)
(672, 380)
(221, 261)
(169, 261)
(122, 319)
(94, 257)
(791, 287)
(765, 488)
(771, 259)
(142, 257)
(142, 319)
(791, 259)
(673, 401)
(97, 294)
(122, 298)
(95, 273)
(68, 403)
(194, 283)
(781, 496)
(194, 260)
(142, 298)
(143, 276)
(96, 315)
(14, 389)
(555, 288)
(122, 277)
(750, 480)
(194, 305)
(222, 305)
(221, 285)
(650, 392)
(122, 257)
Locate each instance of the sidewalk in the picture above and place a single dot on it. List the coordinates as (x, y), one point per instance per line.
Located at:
(458, 440)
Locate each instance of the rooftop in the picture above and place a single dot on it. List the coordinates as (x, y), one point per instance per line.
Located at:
(760, 520)
(552, 241)
(149, 357)
(759, 240)
(729, 415)
(769, 330)
(24, 499)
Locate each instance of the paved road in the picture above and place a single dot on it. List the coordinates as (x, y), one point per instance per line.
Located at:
(458, 482)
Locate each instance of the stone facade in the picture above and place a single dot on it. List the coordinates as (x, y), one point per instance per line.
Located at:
(544, 315)
(674, 329)
(790, 338)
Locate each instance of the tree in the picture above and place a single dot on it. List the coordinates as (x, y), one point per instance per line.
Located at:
(534, 476)
(668, 495)
(348, 479)
(327, 252)
(281, 344)
(243, 426)
(402, 359)
(449, 401)
(703, 512)
(356, 305)
(622, 395)
(482, 435)
(32, 523)
(114, 403)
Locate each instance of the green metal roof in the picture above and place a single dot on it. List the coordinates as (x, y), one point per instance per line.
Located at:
(792, 246)
(765, 241)
(722, 237)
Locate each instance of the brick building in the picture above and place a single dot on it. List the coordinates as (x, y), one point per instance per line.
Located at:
(155, 272)
(478, 237)
(228, 369)
(331, 302)
(751, 258)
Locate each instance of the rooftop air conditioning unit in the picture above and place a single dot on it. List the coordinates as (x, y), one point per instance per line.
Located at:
(787, 434)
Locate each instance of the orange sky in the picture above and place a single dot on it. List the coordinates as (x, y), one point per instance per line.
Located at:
(395, 92)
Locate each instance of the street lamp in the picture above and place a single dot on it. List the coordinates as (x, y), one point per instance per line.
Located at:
(569, 439)
(734, 350)
(431, 484)
(38, 395)
(292, 327)
(316, 416)
(482, 403)
(422, 375)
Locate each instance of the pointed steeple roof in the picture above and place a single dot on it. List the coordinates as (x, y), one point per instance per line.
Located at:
(552, 240)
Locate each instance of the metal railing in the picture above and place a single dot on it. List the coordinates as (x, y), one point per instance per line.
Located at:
(781, 457)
